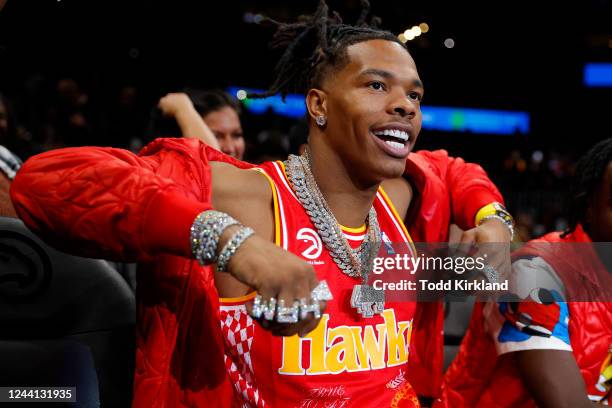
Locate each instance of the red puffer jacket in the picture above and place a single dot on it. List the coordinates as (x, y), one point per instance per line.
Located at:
(109, 203)
(475, 379)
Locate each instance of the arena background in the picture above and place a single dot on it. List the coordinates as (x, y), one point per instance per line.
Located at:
(90, 73)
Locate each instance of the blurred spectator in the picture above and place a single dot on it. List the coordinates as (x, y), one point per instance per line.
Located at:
(66, 120)
(534, 183)
(126, 120)
(9, 165)
(271, 145)
(13, 136)
(218, 111)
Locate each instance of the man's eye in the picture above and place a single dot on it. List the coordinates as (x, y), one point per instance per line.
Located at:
(415, 96)
(377, 86)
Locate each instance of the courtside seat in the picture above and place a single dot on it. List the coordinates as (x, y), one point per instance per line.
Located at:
(64, 321)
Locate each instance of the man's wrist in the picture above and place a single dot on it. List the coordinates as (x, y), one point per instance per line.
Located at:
(495, 211)
(500, 223)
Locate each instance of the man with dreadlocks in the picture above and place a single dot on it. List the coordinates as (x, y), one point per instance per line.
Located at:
(328, 209)
(555, 346)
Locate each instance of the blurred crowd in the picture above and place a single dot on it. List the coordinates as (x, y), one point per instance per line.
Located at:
(48, 114)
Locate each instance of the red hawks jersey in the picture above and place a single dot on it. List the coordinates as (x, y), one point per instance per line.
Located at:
(348, 360)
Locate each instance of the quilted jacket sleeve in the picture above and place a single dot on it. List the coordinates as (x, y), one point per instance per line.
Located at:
(110, 203)
(468, 185)
(466, 188)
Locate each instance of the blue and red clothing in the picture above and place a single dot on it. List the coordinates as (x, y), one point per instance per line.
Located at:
(578, 320)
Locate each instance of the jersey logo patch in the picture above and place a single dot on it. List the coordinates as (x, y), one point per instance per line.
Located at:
(316, 246)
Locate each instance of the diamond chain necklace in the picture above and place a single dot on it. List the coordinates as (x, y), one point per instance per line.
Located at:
(354, 263)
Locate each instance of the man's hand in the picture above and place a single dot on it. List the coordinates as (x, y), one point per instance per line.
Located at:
(492, 238)
(492, 230)
(274, 272)
(174, 103)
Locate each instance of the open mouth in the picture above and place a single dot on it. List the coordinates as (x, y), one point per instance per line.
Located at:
(395, 138)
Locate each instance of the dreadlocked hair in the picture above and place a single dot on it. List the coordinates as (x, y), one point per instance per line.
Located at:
(587, 178)
(316, 44)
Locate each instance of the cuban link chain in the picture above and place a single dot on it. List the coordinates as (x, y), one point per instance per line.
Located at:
(356, 263)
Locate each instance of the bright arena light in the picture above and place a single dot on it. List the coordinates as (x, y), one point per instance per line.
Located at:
(449, 43)
(241, 94)
(413, 32)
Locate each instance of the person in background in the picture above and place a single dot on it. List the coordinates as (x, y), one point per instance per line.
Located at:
(8, 128)
(14, 137)
(553, 348)
(9, 165)
(69, 116)
(211, 116)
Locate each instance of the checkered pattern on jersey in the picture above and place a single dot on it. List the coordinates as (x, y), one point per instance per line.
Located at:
(238, 329)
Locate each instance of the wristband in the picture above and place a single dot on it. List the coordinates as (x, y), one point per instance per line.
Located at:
(497, 211)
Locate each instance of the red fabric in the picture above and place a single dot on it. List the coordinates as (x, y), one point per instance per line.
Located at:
(109, 203)
(477, 379)
(446, 190)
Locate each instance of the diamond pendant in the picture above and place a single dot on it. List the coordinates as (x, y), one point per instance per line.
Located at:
(367, 300)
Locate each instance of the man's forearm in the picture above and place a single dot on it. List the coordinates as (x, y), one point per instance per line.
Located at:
(108, 203)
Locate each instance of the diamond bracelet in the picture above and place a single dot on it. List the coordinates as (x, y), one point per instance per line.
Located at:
(231, 247)
(205, 233)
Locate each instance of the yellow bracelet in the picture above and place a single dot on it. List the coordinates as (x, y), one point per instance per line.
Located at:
(496, 210)
(488, 209)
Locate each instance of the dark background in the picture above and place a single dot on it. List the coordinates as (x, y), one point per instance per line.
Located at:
(516, 55)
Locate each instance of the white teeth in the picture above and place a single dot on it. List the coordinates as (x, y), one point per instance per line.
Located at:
(395, 145)
(399, 134)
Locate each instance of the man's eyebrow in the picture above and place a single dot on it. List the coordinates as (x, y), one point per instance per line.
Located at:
(378, 72)
(389, 75)
(418, 83)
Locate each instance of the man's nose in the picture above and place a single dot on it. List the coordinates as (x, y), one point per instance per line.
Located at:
(403, 106)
